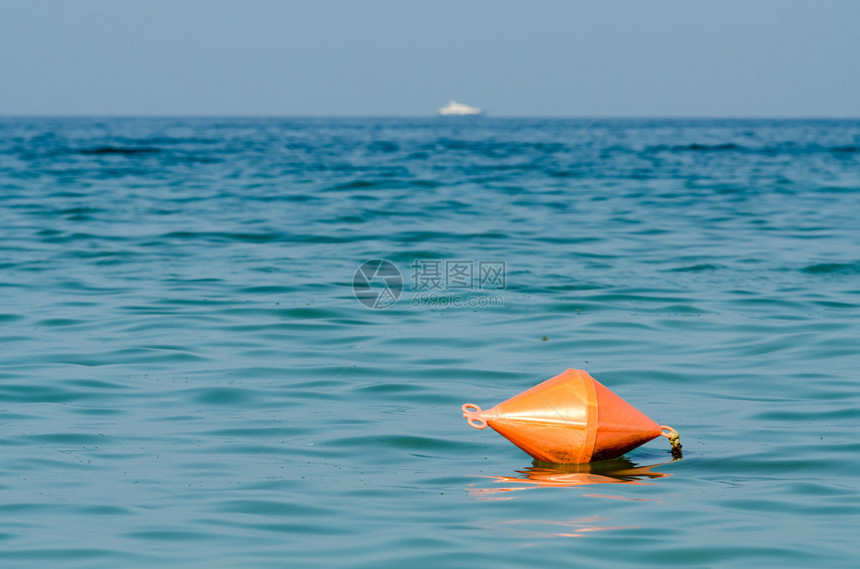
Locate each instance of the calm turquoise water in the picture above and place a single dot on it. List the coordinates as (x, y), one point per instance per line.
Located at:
(189, 381)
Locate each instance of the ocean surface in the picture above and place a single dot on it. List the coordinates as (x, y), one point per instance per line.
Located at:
(197, 369)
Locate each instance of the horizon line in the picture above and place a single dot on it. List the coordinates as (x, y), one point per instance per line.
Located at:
(430, 116)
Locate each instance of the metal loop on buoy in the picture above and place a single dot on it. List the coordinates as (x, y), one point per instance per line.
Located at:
(668, 432)
(472, 414)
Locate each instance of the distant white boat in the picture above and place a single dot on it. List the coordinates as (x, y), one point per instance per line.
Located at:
(458, 109)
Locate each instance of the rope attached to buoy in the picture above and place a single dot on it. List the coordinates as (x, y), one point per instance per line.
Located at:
(674, 438)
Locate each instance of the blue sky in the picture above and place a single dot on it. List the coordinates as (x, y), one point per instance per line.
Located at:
(730, 58)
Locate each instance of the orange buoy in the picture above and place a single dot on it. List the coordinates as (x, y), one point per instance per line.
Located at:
(571, 418)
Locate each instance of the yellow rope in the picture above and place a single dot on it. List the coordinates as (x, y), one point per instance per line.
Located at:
(674, 438)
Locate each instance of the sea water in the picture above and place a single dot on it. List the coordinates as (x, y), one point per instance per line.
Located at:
(198, 369)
